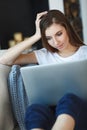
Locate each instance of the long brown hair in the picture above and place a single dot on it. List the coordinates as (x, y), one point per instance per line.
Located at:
(56, 16)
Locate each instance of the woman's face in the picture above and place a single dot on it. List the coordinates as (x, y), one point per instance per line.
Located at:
(57, 37)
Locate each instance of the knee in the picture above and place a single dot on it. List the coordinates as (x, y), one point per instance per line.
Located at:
(36, 110)
(38, 116)
(69, 104)
(70, 99)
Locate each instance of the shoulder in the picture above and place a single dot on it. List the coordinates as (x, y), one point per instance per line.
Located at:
(84, 47)
(83, 51)
(42, 51)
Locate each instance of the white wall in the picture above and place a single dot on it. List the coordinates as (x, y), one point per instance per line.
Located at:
(83, 4)
(56, 4)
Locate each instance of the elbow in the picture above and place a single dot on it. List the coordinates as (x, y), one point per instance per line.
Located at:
(5, 62)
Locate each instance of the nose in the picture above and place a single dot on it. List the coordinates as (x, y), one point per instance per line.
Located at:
(55, 40)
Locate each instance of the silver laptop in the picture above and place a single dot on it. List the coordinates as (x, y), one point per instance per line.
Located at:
(48, 83)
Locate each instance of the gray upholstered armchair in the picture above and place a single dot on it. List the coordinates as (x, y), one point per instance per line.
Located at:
(6, 116)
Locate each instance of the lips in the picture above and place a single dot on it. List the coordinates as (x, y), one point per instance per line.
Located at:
(59, 46)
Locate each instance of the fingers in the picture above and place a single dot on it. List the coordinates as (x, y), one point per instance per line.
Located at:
(37, 22)
(39, 15)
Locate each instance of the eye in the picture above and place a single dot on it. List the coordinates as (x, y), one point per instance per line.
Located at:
(48, 38)
(59, 33)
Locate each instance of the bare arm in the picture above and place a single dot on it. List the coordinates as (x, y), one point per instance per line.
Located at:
(14, 54)
(26, 59)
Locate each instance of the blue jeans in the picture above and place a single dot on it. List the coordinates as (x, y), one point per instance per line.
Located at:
(42, 116)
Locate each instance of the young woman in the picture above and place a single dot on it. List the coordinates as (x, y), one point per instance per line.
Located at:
(60, 44)
(59, 39)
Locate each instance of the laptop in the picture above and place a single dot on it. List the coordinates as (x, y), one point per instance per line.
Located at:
(48, 83)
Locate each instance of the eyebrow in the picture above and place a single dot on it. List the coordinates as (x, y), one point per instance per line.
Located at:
(56, 33)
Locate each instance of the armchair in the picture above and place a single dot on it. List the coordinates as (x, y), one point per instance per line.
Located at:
(7, 121)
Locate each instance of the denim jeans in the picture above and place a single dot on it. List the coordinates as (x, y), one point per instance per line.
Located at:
(43, 116)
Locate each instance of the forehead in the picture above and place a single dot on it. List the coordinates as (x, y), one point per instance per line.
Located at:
(53, 29)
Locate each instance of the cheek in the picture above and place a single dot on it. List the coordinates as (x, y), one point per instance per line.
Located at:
(65, 38)
(50, 42)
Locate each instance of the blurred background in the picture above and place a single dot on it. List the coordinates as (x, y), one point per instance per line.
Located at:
(17, 18)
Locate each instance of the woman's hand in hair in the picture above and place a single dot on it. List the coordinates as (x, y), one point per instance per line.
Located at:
(37, 23)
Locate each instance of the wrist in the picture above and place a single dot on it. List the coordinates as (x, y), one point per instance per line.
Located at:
(37, 36)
